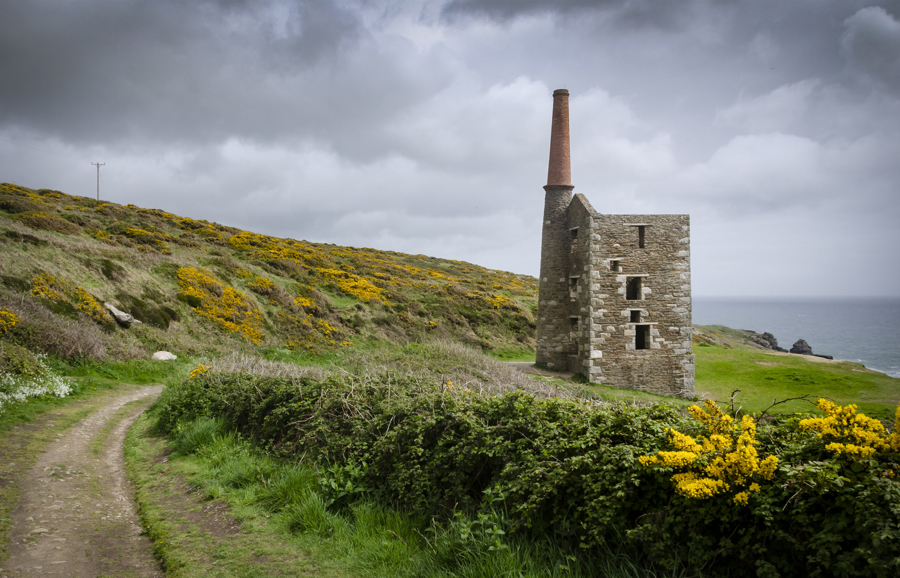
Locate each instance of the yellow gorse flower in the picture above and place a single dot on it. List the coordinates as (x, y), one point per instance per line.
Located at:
(47, 286)
(199, 370)
(8, 319)
(852, 435)
(227, 307)
(723, 461)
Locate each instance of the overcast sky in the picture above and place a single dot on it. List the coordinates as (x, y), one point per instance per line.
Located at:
(424, 126)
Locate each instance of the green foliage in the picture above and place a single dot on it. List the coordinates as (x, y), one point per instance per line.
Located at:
(134, 371)
(360, 536)
(43, 220)
(189, 437)
(15, 204)
(18, 361)
(561, 468)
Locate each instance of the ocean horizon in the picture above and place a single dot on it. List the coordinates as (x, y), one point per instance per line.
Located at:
(863, 330)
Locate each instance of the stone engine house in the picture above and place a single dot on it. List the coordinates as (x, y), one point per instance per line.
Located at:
(615, 290)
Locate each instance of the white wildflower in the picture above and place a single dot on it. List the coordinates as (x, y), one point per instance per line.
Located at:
(18, 388)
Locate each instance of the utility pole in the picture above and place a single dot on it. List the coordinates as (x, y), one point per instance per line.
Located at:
(98, 165)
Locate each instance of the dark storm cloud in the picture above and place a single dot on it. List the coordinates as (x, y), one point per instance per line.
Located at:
(422, 125)
(659, 13)
(163, 71)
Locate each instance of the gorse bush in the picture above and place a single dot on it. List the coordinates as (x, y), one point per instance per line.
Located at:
(63, 292)
(724, 461)
(853, 435)
(40, 330)
(8, 320)
(223, 305)
(783, 503)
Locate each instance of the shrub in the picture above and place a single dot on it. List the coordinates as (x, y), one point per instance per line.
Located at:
(62, 292)
(18, 361)
(225, 306)
(41, 330)
(16, 204)
(42, 220)
(570, 469)
(8, 320)
(724, 462)
(26, 377)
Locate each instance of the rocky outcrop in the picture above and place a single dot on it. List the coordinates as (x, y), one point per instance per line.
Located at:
(766, 340)
(164, 356)
(122, 318)
(803, 348)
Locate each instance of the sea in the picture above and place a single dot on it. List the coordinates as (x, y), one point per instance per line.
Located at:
(866, 331)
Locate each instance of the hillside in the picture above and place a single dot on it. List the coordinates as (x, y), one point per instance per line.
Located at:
(204, 288)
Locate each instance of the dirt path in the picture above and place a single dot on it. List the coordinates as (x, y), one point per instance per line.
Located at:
(528, 367)
(76, 516)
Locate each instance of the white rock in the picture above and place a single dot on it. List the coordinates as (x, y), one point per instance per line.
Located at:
(122, 318)
(164, 356)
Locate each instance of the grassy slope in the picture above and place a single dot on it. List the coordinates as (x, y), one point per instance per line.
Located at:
(309, 296)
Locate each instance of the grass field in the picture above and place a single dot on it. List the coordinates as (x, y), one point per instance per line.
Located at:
(761, 376)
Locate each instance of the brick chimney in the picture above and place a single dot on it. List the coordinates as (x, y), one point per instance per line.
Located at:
(560, 172)
(556, 244)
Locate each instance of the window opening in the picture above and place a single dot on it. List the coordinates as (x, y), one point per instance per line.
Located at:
(614, 266)
(635, 316)
(574, 233)
(641, 233)
(574, 326)
(573, 288)
(642, 337)
(633, 289)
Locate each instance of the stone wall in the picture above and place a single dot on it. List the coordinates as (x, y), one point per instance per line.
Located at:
(641, 304)
(553, 346)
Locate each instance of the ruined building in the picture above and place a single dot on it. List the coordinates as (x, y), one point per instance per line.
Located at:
(615, 290)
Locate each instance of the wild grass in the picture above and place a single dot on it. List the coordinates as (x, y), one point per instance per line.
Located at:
(460, 367)
(242, 362)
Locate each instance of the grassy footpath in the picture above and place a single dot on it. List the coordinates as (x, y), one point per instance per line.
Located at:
(194, 534)
(26, 428)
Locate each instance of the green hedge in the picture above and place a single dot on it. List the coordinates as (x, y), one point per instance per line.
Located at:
(564, 467)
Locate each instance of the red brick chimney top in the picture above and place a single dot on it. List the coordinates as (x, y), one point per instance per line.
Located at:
(560, 173)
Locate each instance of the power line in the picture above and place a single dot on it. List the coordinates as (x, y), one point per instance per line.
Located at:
(33, 147)
(98, 165)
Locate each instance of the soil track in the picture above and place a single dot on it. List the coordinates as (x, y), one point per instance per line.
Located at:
(76, 516)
